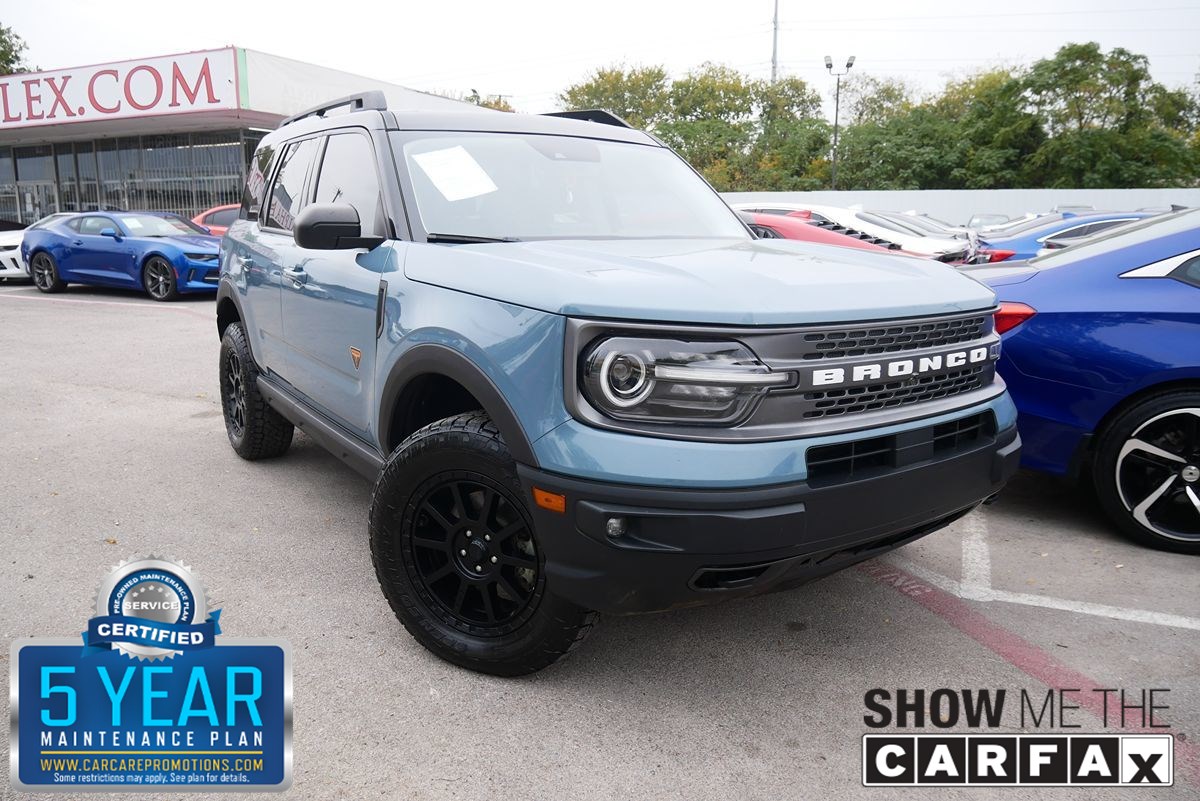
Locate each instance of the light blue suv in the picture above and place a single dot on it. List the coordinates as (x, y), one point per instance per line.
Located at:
(579, 382)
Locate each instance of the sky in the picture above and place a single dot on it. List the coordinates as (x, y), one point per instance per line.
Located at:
(530, 51)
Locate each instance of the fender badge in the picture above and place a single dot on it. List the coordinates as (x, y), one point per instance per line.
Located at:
(356, 356)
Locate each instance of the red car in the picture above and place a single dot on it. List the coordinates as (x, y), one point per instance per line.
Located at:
(218, 218)
(799, 225)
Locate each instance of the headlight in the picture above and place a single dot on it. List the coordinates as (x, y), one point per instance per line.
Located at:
(204, 257)
(670, 380)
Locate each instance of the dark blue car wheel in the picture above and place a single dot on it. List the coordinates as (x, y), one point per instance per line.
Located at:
(44, 272)
(1148, 471)
(158, 277)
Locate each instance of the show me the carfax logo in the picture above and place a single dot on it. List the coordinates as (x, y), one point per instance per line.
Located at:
(1131, 753)
(150, 700)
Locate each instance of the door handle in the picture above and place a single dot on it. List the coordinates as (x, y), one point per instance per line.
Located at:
(297, 274)
(77, 242)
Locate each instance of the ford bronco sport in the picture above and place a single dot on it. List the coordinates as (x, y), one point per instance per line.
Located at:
(578, 381)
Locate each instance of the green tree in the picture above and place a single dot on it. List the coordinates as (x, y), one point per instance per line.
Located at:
(869, 98)
(1110, 124)
(12, 52)
(639, 95)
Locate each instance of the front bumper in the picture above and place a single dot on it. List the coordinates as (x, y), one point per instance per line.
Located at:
(12, 265)
(198, 276)
(685, 547)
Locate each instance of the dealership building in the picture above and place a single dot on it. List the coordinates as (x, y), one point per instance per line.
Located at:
(168, 133)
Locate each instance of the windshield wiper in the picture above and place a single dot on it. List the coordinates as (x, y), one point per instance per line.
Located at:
(467, 239)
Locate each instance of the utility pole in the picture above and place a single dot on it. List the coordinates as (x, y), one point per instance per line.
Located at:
(775, 44)
(837, 103)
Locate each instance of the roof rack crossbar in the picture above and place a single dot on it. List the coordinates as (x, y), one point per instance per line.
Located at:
(374, 100)
(591, 115)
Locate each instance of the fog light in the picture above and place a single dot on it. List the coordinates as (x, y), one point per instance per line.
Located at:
(615, 528)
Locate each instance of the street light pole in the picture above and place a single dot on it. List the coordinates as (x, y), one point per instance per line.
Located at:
(837, 107)
(775, 44)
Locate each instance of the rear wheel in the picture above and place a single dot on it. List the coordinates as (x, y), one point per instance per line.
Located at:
(158, 277)
(44, 271)
(1147, 472)
(256, 431)
(458, 558)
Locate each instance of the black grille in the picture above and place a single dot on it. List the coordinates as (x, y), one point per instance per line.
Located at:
(852, 400)
(845, 461)
(893, 338)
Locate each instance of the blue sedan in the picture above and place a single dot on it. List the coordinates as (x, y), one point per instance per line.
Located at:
(1025, 240)
(160, 254)
(1101, 352)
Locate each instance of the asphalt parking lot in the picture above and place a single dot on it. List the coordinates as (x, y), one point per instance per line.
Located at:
(112, 445)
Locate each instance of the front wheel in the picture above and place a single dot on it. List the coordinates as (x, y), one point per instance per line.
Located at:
(457, 556)
(158, 277)
(1147, 473)
(44, 272)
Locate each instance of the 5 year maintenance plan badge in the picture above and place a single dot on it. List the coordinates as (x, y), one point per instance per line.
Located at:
(149, 700)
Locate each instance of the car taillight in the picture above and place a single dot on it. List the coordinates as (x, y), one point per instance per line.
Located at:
(1010, 315)
(998, 255)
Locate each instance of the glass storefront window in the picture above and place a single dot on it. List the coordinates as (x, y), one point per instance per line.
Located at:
(180, 173)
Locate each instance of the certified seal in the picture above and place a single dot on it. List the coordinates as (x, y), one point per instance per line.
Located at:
(152, 608)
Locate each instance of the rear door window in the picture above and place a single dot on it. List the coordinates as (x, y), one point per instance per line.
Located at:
(286, 197)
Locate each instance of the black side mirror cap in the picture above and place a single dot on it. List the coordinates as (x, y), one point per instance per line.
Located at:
(331, 226)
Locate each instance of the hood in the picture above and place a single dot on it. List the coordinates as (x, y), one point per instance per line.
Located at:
(1016, 272)
(192, 243)
(734, 282)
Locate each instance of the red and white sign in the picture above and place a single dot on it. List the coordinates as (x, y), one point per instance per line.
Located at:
(200, 81)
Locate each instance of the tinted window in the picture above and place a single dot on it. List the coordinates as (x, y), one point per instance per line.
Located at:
(223, 217)
(256, 182)
(94, 225)
(286, 192)
(1188, 272)
(348, 176)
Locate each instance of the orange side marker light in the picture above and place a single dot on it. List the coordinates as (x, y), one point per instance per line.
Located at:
(550, 500)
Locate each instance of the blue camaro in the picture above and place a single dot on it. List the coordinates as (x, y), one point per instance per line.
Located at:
(161, 254)
(1025, 240)
(1101, 352)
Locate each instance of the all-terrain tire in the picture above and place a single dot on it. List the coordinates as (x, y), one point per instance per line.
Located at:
(256, 431)
(444, 491)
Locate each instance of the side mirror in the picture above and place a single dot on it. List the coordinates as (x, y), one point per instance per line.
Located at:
(110, 232)
(206, 229)
(331, 226)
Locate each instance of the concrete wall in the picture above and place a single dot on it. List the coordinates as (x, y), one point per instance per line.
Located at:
(957, 205)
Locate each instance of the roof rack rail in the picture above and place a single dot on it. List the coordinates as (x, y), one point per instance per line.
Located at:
(591, 115)
(373, 100)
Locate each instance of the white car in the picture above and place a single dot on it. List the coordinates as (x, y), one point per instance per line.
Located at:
(11, 263)
(909, 237)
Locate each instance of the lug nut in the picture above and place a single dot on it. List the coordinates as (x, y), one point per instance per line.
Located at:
(487, 537)
(462, 552)
(478, 568)
(494, 560)
(468, 532)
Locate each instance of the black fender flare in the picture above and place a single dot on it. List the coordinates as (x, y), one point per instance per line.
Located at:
(432, 358)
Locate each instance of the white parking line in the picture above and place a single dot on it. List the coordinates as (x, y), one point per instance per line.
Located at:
(19, 294)
(976, 559)
(1028, 599)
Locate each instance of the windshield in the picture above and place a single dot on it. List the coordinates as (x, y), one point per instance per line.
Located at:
(153, 225)
(529, 186)
(1121, 236)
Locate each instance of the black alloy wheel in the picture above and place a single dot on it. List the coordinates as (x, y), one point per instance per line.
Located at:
(1147, 471)
(44, 272)
(472, 549)
(234, 394)
(159, 279)
(1158, 474)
